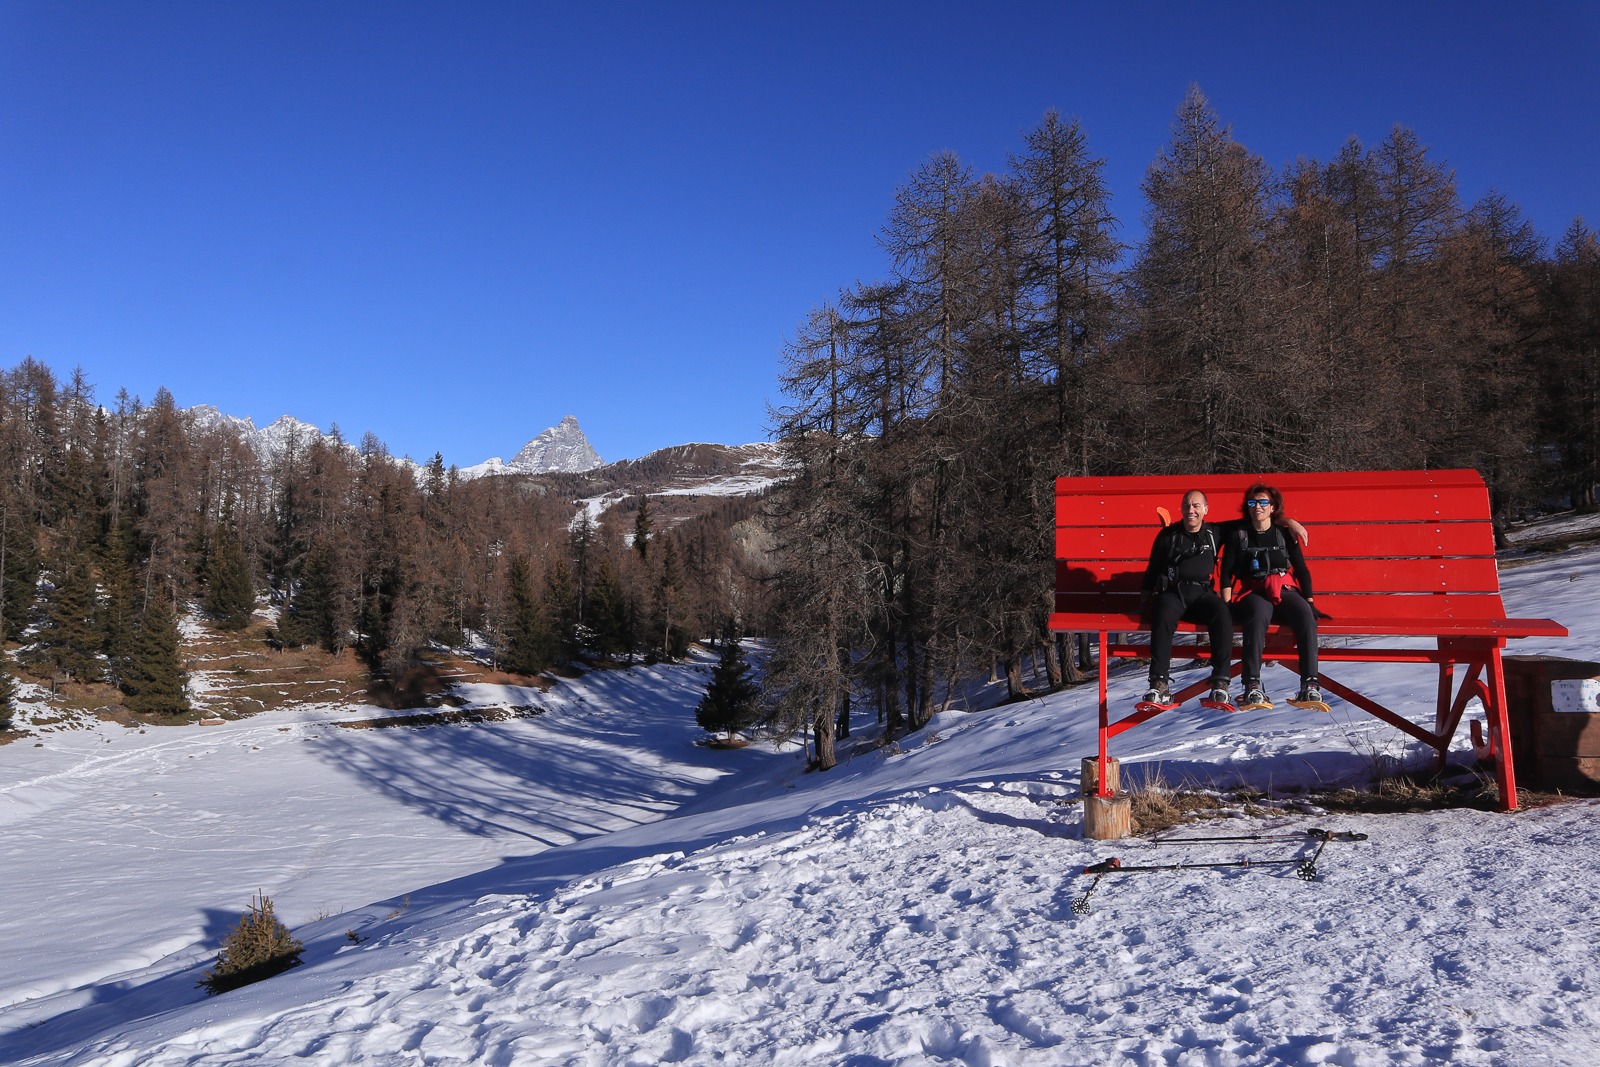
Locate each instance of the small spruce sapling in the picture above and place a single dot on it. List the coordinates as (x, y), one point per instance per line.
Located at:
(259, 947)
(8, 694)
(730, 700)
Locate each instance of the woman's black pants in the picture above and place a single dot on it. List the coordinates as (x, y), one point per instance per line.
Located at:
(1254, 611)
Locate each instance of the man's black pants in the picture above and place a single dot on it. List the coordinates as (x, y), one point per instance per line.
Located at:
(1196, 604)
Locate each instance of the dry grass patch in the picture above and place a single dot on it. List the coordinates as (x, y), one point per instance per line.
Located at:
(240, 673)
(525, 681)
(1157, 805)
(1403, 793)
(245, 675)
(1157, 810)
(565, 670)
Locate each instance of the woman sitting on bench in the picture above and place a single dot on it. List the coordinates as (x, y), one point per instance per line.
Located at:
(1275, 586)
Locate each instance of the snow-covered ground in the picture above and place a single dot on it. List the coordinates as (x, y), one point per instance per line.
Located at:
(588, 886)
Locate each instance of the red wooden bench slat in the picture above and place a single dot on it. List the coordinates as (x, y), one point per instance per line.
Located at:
(1405, 575)
(1342, 625)
(1374, 607)
(1177, 484)
(1309, 505)
(1336, 540)
(1379, 606)
(1328, 540)
(1374, 576)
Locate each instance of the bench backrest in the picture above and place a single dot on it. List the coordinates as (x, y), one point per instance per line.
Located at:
(1396, 545)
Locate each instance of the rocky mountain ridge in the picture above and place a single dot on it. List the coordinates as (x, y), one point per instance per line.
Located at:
(564, 454)
(562, 448)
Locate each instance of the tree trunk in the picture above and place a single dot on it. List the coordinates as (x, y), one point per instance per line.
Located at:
(1015, 689)
(826, 758)
(1053, 661)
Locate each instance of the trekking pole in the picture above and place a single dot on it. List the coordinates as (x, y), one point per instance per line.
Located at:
(1133, 868)
(1099, 870)
(1114, 865)
(1322, 835)
(1307, 871)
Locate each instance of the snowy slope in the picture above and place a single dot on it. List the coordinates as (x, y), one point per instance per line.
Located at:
(589, 887)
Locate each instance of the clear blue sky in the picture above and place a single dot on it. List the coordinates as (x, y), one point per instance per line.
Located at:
(453, 223)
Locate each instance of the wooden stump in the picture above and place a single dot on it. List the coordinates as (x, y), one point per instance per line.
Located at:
(1107, 818)
(1090, 777)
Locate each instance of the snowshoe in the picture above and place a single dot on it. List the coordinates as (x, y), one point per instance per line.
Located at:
(1218, 699)
(1255, 699)
(1310, 697)
(1157, 698)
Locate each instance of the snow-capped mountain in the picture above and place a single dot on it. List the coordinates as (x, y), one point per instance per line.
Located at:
(561, 449)
(268, 441)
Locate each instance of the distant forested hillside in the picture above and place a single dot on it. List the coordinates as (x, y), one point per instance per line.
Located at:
(117, 518)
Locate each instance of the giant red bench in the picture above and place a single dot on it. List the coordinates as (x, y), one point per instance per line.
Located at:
(1393, 554)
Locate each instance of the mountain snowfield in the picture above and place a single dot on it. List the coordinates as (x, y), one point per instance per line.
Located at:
(589, 886)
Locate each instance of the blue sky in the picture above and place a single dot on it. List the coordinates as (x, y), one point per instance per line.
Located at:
(451, 224)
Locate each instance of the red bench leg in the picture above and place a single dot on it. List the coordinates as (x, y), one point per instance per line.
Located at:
(1500, 730)
(1441, 715)
(1103, 788)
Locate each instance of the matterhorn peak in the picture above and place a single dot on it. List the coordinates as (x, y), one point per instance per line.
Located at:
(560, 448)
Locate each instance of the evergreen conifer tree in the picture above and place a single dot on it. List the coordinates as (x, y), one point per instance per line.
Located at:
(608, 622)
(642, 525)
(580, 541)
(154, 680)
(19, 567)
(308, 618)
(118, 608)
(670, 639)
(259, 947)
(527, 640)
(433, 479)
(560, 601)
(230, 595)
(730, 700)
(8, 693)
(70, 636)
